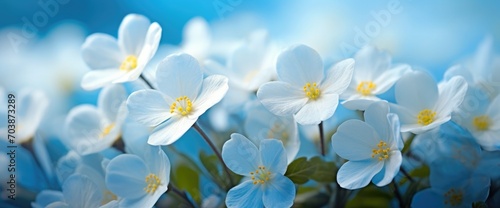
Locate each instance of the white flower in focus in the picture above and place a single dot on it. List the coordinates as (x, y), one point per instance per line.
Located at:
(122, 60)
(304, 89)
(182, 96)
(421, 105)
(373, 75)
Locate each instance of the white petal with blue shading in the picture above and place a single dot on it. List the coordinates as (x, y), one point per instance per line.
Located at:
(416, 91)
(273, 156)
(390, 170)
(281, 98)
(376, 116)
(213, 90)
(170, 131)
(132, 33)
(338, 77)
(245, 195)
(98, 78)
(385, 80)
(101, 51)
(152, 112)
(355, 140)
(357, 174)
(370, 62)
(279, 192)
(126, 175)
(318, 110)
(300, 64)
(79, 190)
(451, 96)
(110, 99)
(179, 75)
(241, 155)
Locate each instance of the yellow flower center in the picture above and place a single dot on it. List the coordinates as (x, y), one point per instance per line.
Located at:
(453, 197)
(312, 90)
(366, 87)
(260, 176)
(107, 130)
(381, 152)
(182, 105)
(152, 183)
(108, 196)
(129, 63)
(481, 123)
(425, 117)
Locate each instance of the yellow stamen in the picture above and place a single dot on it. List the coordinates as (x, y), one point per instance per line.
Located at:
(481, 123)
(453, 197)
(129, 63)
(312, 91)
(107, 130)
(425, 117)
(366, 87)
(260, 176)
(152, 183)
(381, 152)
(184, 108)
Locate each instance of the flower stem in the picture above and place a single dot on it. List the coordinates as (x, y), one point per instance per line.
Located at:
(146, 81)
(397, 194)
(212, 146)
(406, 174)
(322, 138)
(181, 194)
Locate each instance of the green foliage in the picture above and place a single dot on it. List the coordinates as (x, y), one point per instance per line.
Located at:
(370, 197)
(186, 178)
(301, 170)
(479, 205)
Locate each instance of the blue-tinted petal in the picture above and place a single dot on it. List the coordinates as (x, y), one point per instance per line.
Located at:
(391, 168)
(281, 98)
(299, 65)
(245, 195)
(315, 111)
(355, 140)
(417, 91)
(126, 175)
(149, 107)
(273, 156)
(79, 190)
(241, 155)
(279, 192)
(428, 198)
(179, 75)
(357, 174)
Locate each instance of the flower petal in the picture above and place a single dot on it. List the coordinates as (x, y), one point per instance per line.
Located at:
(83, 128)
(132, 33)
(126, 175)
(376, 116)
(417, 91)
(338, 77)
(280, 192)
(149, 107)
(391, 168)
(179, 75)
(385, 80)
(110, 99)
(170, 131)
(80, 190)
(241, 155)
(357, 174)
(213, 89)
(370, 62)
(273, 156)
(361, 103)
(281, 98)
(451, 96)
(318, 110)
(98, 78)
(355, 140)
(299, 65)
(101, 51)
(428, 198)
(245, 195)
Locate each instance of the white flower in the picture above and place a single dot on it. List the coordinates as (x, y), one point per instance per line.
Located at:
(122, 60)
(90, 129)
(421, 105)
(483, 123)
(373, 75)
(182, 96)
(303, 90)
(373, 148)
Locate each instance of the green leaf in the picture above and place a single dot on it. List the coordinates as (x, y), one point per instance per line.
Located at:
(479, 205)
(187, 179)
(316, 200)
(300, 170)
(420, 172)
(370, 197)
(325, 171)
(212, 165)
